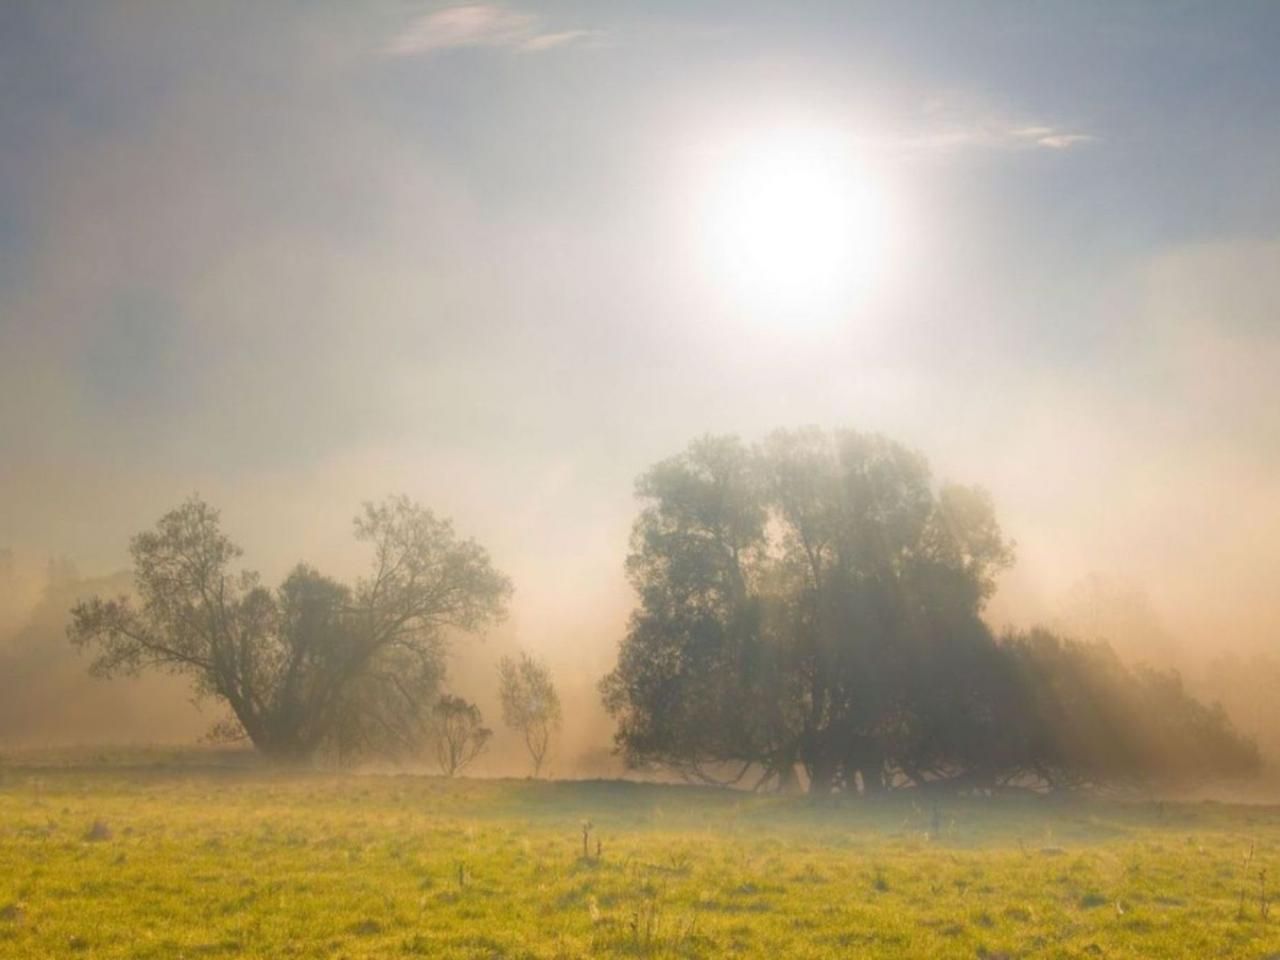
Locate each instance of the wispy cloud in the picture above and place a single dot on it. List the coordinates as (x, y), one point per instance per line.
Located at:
(480, 25)
(979, 137)
(1050, 137)
(545, 41)
(950, 125)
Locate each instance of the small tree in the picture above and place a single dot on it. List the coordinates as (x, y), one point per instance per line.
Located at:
(460, 734)
(530, 704)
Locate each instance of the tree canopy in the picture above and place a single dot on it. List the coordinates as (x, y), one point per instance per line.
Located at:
(813, 603)
(314, 666)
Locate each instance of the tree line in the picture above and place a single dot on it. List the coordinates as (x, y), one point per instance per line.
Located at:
(316, 669)
(809, 615)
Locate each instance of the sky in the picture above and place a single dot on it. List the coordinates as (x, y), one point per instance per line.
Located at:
(295, 256)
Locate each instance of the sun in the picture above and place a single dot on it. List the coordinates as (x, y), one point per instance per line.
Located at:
(793, 224)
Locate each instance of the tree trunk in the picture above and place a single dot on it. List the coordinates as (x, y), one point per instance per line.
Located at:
(822, 773)
(282, 747)
(788, 780)
(872, 779)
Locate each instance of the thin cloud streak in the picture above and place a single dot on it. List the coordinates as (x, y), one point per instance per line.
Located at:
(480, 25)
(980, 136)
(1050, 137)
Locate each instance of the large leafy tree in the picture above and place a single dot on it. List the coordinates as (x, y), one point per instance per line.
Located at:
(804, 605)
(814, 603)
(693, 689)
(881, 579)
(314, 666)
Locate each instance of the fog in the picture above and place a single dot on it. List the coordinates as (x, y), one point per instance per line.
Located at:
(294, 263)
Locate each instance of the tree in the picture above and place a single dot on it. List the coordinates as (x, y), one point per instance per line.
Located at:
(698, 686)
(459, 735)
(803, 603)
(315, 666)
(530, 704)
(813, 604)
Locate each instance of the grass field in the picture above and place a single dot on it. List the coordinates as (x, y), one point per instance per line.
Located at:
(199, 862)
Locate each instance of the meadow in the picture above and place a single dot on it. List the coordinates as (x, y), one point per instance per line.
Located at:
(171, 860)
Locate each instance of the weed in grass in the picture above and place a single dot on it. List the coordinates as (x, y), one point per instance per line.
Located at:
(1248, 861)
(1264, 907)
(878, 881)
(13, 913)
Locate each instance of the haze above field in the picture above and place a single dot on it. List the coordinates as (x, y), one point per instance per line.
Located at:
(504, 258)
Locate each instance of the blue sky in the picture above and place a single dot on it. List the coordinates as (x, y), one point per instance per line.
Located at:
(295, 256)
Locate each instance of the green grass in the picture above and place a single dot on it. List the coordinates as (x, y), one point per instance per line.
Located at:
(210, 863)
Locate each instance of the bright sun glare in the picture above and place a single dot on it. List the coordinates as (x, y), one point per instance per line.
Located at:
(793, 225)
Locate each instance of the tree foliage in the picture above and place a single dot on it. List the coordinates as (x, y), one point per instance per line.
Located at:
(814, 603)
(1085, 719)
(314, 666)
(530, 704)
